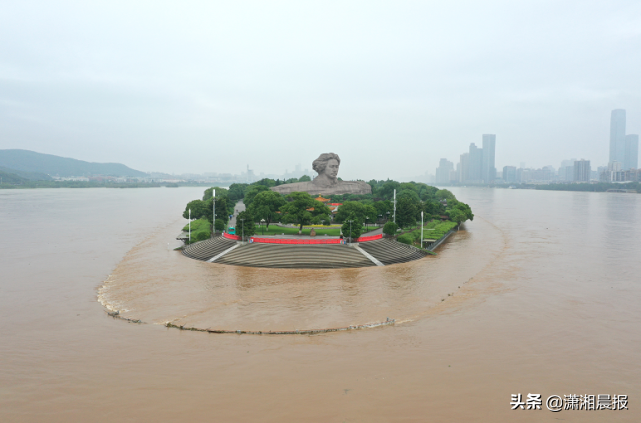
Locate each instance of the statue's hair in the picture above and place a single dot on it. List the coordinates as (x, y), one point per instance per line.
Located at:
(320, 163)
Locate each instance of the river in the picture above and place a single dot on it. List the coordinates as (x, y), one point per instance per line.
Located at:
(539, 294)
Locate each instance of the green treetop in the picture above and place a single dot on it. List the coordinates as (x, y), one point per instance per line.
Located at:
(302, 209)
(266, 205)
(352, 227)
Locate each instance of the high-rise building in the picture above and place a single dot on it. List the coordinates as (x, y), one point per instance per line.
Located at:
(617, 136)
(631, 157)
(488, 171)
(476, 161)
(464, 168)
(509, 174)
(582, 171)
(443, 171)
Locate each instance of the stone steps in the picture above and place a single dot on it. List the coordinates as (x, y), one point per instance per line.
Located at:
(326, 256)
(388, 251)
(204, 250)
(296, 256)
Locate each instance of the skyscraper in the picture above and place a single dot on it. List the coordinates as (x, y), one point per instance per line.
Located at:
(476, 162)
(617, 136)
(631, 160)
(488, 171)
(464, 169)
(443, 171)
(582, 171)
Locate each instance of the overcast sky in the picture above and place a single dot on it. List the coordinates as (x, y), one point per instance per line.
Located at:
(392, 87)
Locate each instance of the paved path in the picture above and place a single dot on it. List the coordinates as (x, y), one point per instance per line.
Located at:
(240, 206)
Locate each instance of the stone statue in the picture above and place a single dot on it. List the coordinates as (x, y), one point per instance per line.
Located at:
(326, 183)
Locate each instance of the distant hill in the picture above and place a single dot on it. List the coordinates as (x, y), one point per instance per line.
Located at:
(30, 161)
(32, 176)
(11, 178)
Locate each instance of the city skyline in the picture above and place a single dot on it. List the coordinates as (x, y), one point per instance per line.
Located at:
(477, 166)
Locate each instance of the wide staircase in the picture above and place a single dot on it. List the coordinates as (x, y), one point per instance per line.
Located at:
(327, 256)
(204, 250)
(388, 251)
(296, 256)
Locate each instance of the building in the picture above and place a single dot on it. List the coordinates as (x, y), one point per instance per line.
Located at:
(464, 168)
(582, 171)
(475, 164)
(488, 171)
(617, 136)
(443, 171)
(631, 156)
(509, 174)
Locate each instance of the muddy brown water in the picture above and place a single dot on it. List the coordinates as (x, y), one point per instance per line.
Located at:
(549, 303)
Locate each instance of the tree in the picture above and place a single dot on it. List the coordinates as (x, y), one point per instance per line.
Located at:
(198, 209)
(266, 205)
(410, 193)
(358, 210)
(252, 191)
(302, 208)
(304, 178)
(220, 192)
(237, 192)
(456, 215)
(390, 228)
(353, 229)
(386, 191)
(406, 211)
(245, 227)
(220, 224)
(266, 182)
(443, 194)
(433, 207)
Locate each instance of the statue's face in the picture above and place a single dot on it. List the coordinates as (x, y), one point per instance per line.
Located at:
(331, 169)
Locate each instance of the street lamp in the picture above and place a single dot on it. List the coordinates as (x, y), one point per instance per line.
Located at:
(350, 231)
(213, 196)
(262, 221)
(388, 213)
(421, 229)
(190, 226)
(242, 229)
(366, 223)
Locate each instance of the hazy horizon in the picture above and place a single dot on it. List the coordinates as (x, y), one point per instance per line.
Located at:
(196, 87)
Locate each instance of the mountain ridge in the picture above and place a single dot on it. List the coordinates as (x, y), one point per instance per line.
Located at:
(34, 162)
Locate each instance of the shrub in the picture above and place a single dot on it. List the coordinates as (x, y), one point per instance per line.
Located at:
(406, 239)
(390, 228)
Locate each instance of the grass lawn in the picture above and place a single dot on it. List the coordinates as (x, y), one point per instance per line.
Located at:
(200, 229)
(278, 230)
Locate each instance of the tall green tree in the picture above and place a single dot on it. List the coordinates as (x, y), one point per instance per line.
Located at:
(220, 192)
(358, 210)
(301, 208)
(266, 205)
(352, 229)
(245, 225)
(406, 211)
(252, 191)
(198, 209)
(237, 192)
(386, 191)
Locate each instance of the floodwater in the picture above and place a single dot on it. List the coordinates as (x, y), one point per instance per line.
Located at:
(539, 294)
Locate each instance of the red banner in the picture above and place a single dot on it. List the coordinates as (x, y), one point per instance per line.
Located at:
(229, 236)
(296, 241)
(369, 238)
